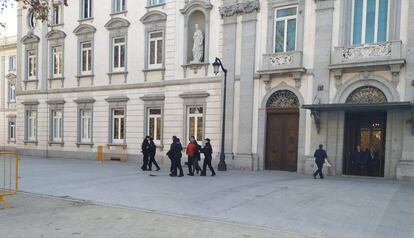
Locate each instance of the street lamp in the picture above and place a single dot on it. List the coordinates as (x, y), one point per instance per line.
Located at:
(217, 65)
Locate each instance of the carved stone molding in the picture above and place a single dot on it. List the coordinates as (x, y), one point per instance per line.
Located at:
(337, 73)
(195, 67)
(395, 71)
(267, 81)
(297, 76)
(281, 59)
(239, 8)
(366, 51)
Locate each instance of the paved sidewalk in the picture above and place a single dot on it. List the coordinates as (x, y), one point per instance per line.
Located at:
(334, 207)
(46, 217)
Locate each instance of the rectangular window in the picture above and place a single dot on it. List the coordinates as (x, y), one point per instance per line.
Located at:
(12, 63)
(154, 124)
(57, 14)
(86, 9)
(86, 126)
(57, 125)
(155, 49)
(370, 21)
(119, 6)
(285, 29)
(31, 125)
(86, 58)
(118, 63)
(12, 131)
(12, 92)
(156, 2)
(118, 125)
(195, 122)
(31, 64)
(57, 61)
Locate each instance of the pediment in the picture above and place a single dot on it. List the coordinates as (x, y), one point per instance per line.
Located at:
(30, 38)
(55, 34)
(84, 29)
(203, 5)
(117, 22)
(153, 16)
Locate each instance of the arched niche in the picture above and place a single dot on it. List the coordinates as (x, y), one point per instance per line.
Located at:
(196, 12)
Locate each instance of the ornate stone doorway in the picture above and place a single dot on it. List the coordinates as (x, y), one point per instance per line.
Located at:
(365, 129)
(282, 131)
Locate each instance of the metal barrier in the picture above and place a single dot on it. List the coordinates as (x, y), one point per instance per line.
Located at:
(9, 175)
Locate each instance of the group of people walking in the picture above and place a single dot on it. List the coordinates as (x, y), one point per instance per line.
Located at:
(193, 152)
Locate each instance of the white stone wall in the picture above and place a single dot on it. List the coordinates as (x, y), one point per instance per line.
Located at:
(7, 49)
(136, 86)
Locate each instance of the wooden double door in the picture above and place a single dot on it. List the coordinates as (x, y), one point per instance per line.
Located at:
(282, 139)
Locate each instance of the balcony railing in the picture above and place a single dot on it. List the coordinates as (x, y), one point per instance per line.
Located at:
(386, 51)
(282, 61)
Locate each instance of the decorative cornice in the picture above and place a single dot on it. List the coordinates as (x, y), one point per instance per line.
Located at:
(31, 102)
(153, 97)
(56, 101)
(239, 8)
(195, 94)
(84, 100)
(117, 99)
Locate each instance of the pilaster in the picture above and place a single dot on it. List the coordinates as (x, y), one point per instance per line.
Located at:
(248, 46)
(2, 82)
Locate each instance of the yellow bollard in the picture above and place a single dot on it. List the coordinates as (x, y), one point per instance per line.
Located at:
(99, 153)
(10, 179)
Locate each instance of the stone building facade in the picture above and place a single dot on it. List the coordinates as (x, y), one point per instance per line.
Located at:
(300, 73)
(8, 66)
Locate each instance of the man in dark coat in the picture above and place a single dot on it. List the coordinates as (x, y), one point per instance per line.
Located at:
(145, 149)
(320, 156)
(152, 151)
(208, 151)
(175, 155)
(357, 160)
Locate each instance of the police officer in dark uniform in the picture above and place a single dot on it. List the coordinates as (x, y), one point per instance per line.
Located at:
(175, 155)
(320, 156)
(145, 149)
(207, 151)
(152, 151)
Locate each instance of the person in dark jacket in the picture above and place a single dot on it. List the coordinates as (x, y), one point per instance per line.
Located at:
(152, 151)
(145, 149)
(320, 156)
(207, 151)
(196, 157)
(175, 155)
(357, 160)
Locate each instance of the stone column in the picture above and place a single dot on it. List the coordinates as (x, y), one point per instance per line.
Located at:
(247, 70)
(229, 62)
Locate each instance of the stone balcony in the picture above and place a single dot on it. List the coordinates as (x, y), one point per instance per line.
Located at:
(376, 55)
(283, 63)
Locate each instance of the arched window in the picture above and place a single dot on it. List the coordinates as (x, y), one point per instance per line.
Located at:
(283, 99)
(366, 95)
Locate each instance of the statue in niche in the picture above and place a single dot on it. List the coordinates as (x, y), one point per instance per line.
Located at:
(198, 46)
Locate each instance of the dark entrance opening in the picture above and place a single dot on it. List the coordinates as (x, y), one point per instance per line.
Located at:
(366, 130)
